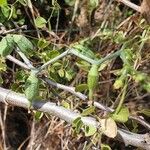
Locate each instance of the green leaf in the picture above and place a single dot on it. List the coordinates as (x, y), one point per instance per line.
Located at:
(6, 11)
(70, 2)
(105, 147)
(119, 83)
(77, 124)
(52, 54)
(93, 3)
(88, 111)
(23, 43)
(38, 115)
(69, 74)
(3, 3)
(83, 65)
(61, 72)
(122, 116)
(42, 43)
(81, 87)
(40, 22)
(32, 87)
(75, 121)
(90, 130)
(6, 45)
(65, 104)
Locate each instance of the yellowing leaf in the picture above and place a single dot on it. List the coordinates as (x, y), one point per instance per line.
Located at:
(81, 87)
(105, 147)
(122, 116)
(40, 22)
(108, 127)
(88, 111)
(90, 130)
(65, 104)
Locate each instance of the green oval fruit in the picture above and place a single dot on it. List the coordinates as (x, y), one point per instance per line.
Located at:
(92, 80)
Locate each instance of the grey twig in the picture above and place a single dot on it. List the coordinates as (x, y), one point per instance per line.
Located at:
(96, 104)
(4, 31)
(66, 88)
(18, 62)
(25, 59)
(131, 5)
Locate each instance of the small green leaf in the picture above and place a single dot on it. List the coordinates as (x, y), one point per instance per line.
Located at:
(23, 43)
(69, 74)
(65, 104)
(42, 43)
(70, 2)
(88, 111)
(77, 124)
(90, 130)
(40, 22)
(93, 3)
(81, 87)
(105, 147)
(52, 54)
(61, 72)
(119, 83)
(74, 123)
(3, 3)
(122, 115)
(38, 115)
(6, 45)
(83, 65)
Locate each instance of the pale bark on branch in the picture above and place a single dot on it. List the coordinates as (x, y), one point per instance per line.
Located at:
(17, 99)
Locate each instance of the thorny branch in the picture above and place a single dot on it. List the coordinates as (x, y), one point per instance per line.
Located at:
(71, 90)
(17, 99)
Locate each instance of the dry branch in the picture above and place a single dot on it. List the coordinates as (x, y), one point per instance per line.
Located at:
(13, 98)
(144, 9)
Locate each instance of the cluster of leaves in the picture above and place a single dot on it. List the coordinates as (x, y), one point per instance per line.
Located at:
(63, 71)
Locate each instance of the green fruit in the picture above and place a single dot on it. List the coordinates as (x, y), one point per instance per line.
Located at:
(92, 80)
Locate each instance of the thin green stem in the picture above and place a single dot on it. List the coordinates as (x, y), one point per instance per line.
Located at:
(25, 59)
(121, 99)
(115, 54)
(78, 54)
(53, 60)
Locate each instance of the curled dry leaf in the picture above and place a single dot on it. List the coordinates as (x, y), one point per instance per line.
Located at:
(108, 127)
